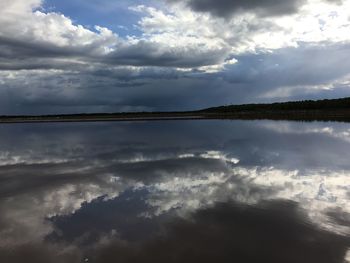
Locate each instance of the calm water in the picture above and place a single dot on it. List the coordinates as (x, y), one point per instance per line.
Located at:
(181, 191)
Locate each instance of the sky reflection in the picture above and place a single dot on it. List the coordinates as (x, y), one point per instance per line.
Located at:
(204, 190)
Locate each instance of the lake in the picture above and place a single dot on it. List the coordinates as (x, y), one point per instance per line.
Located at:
(175, 191)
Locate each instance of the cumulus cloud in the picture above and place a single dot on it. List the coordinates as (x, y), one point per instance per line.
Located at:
(33, 39)
(19, 7)
(48, 63)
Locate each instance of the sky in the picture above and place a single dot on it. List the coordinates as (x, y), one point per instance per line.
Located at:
(61, 56)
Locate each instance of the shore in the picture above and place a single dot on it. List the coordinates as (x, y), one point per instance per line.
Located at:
(297, 115)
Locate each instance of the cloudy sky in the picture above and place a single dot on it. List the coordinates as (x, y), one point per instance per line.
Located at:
(64, 56)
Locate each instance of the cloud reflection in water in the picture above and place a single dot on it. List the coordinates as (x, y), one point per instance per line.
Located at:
(188, 190)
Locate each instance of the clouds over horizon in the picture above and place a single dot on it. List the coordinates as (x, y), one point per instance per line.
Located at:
(184, 50)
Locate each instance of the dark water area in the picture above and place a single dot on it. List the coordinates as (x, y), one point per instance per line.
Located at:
(179, 191)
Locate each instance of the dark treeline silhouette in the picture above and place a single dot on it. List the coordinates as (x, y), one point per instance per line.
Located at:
(307, 110)
(334, 104)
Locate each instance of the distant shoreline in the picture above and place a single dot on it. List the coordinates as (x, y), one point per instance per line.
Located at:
(94, 119)
(341, 115)
(321, 110)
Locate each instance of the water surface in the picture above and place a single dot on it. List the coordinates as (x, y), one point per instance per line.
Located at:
(179, 191)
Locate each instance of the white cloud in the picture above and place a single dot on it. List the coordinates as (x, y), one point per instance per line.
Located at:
(26, 214)
(174, 43)
(20, 22)
(217, 155)
(18, 7)
(35, 34)
(318, 192)
(174, 37)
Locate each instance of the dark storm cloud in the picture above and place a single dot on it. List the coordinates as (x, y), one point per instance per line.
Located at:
(264, 7)
(151, 54)
(286, 74)
(17, 54)
(17, 48)
(227, 8)
(251, 79)
(295, 66)
(101, 88)
(289, 73)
